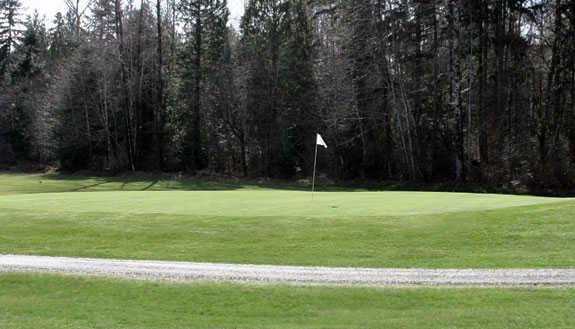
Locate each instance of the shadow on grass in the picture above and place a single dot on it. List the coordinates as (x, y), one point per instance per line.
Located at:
(140, 183)
(88, 186)
(164, 182)
(151, 185)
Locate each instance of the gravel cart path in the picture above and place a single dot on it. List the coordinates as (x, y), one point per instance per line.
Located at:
(296, 274)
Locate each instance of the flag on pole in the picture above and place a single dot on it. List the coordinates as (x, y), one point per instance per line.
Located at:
(319, 141)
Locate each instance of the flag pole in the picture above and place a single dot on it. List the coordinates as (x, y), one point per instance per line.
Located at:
(314, 163)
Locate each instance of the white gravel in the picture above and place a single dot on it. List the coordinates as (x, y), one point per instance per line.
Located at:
(295, 274)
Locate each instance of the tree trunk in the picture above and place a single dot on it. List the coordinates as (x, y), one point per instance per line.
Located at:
(500, 86)
(197, 90)
(456, 28)
(484, 113)
(159, 115)
(128, 116)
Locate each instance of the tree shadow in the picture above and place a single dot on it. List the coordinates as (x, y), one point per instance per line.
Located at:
(88, 186)
(190, 183)
(151, 185)
(134, 183)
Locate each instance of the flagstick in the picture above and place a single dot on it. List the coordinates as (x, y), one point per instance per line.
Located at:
(313, 179)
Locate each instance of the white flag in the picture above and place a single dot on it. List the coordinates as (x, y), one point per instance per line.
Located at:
(319, 141)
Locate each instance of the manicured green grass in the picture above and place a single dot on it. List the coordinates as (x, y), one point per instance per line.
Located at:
(55, 301)
(270, 226)
(222, 222)
(269, 203)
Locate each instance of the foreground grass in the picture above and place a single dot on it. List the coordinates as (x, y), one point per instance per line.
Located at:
(246, 224)
(55, 301)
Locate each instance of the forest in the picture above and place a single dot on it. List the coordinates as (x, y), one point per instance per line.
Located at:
(474, 92)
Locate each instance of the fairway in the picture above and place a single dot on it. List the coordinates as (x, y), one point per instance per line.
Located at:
(77, 216)
(55, 301)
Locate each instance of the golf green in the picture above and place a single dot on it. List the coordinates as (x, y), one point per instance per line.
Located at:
(270, 202)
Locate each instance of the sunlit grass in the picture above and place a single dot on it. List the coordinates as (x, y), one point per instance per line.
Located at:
(56, 301)
(247, 224)
(192, 220)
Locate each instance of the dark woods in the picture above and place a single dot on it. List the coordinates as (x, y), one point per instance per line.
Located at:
(467, 91)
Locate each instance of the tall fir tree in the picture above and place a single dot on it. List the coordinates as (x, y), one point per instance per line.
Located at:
(203, 27)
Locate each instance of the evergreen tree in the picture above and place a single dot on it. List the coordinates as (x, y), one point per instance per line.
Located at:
(264, 26)
(9, 33)
(299, 110)
(205, 27)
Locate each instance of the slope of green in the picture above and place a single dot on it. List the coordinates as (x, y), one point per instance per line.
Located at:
(270, 226)
(55, 301)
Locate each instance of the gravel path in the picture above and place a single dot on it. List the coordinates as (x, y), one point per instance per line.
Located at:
(297, 274)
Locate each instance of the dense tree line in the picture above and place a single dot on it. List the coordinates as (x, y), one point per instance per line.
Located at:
(467, 91)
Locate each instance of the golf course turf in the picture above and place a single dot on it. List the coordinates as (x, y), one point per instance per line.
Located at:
(104, 217)
(130, 218)
(57, 301)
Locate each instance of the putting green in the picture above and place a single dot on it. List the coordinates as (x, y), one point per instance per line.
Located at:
(267, 202)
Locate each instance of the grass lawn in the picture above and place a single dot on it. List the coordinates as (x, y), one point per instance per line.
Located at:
(56, 301)
(193, 221)
(197, 221)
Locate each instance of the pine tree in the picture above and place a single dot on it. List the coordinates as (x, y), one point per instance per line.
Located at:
(9, 33)
(264, 26)
(203, 25)
(300, 92)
